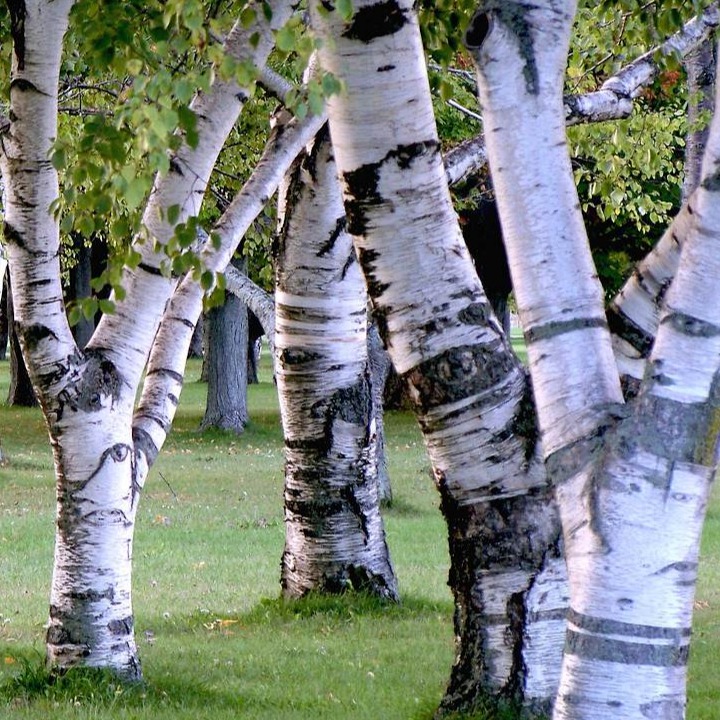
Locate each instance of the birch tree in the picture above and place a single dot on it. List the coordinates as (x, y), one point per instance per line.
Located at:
(469, 390)
(87, 396)
(632, 478)
(334, 535)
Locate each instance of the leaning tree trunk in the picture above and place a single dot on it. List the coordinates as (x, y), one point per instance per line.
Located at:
(632, 481)
(226, 361)
(334, 535)
(88, 396)
(468, 389)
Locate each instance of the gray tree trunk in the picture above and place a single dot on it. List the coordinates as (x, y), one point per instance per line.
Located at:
(21, 391)
(4, 320)
(700, 67)
(80, 288)
(380, 367)
(226, 361)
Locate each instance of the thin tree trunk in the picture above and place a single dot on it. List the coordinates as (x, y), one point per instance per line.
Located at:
(227, 365)
(334, 535)
(4, 318)
(467, 387)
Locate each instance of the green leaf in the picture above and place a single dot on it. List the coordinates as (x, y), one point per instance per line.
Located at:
(345, 9)
(173, 213)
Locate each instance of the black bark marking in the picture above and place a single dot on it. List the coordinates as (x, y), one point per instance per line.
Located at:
(623, 327)
(175, 167)
(607, 626)
(122, 626)
(309, 159)
(143, 442)
(711, 183)
(362, 183)
(513, 15)
(374, 21)
(625, 652)
(119, 452)
(477, 30)
(33, 335)
(475, 314)
(367, 258)
(13, 236)
(560, 327)
(458, 373)
(691, 326)
(150, 269)
(24, 85)
(340, 226)
(296, 356)
(525, 422)
(386, 68)
(17, 29)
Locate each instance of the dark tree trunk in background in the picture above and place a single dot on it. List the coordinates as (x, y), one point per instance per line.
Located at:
(255, 332)
(483, 237)
(21, 389)
(226, 360)
(79, 288)
(4, 327)
(196, 344)
(380, 367)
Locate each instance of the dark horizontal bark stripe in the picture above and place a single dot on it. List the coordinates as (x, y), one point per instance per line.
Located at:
(616, 627)
(689, 325)
(625, 652)
(540, 616)
(459, 373)
(560, 327)
(166, 371)
(623, 327)
(150, 269)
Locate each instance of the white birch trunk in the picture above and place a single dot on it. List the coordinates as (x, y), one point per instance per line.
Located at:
(631, 483)
(467, 387)
(163, 382)
(87, 397)
(334, 534)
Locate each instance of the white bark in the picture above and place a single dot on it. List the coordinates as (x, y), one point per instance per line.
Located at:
(166, 366)
(334, 535)
(88, 397)
(441, 335)
(560, 300)
(631, 483)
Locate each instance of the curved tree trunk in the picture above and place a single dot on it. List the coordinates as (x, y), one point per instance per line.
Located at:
(334, 535)
(468, 389)
(226, 361)
(4, 319)
(380, 366)
(632, 481)
(87, 397)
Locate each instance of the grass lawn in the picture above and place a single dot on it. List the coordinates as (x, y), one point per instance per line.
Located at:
(214, 639)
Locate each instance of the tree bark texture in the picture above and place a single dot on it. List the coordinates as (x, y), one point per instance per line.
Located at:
(227, 365)
(631, 479)
(334, 534)
(700, 69)
(468, 389)
(88, 396)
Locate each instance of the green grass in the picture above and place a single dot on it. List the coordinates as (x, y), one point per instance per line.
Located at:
(215, 640)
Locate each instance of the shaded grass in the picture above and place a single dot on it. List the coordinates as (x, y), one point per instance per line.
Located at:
(215, 640)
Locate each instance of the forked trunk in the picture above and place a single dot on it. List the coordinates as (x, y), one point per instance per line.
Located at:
(469, 390)
(631, 480)
(334, 535)
(87, 397)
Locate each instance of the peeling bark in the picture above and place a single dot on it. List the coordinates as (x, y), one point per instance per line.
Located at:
(334, 535)
(438, 328)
